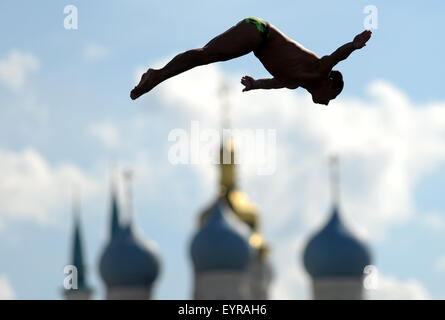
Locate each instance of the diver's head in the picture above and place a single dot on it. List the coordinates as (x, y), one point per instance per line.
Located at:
(328, 89)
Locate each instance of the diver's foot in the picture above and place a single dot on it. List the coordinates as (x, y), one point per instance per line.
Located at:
(148, 81)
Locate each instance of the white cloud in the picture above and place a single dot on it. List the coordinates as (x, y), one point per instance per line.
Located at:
(390, 288)
(290, 280)
(94, 52)
(16, 67)
(32, 189)
(6, 290)
(106, 133)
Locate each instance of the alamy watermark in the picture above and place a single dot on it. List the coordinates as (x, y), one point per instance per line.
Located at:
(371, 277)
(371, 21)
(253, 147)
(71, 20)
(70, 281)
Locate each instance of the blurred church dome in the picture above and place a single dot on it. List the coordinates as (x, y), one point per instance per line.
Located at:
(128, 260)
(335, 252)
(222, 243)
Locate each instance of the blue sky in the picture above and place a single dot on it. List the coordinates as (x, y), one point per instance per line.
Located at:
(69, 94)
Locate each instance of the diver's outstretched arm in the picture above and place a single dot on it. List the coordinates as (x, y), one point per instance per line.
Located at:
(252, 84)
(328, 62)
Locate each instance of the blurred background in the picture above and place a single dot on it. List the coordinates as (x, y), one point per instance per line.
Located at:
(77, 154)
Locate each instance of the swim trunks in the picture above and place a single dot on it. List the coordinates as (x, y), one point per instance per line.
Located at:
(261, 25)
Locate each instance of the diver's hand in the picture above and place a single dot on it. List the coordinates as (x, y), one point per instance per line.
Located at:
(248, 83)
(361, 39)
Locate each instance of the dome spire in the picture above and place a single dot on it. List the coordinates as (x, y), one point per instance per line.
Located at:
(77, 258)
(223, 93)
(128, 177)
(83, 291)
(75, 204)
(114, 219)
(227, 152)
(334, 167)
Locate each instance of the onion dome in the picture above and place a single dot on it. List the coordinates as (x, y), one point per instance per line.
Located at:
(335, 252)
(222, 243)
(129, 260)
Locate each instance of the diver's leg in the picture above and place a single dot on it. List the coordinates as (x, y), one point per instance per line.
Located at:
(235, 42)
